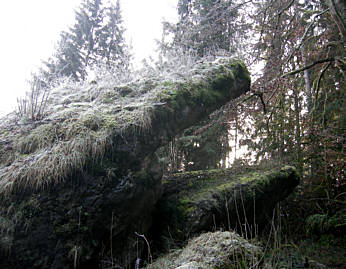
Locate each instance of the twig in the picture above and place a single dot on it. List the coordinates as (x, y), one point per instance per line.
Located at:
(236, 210)
(111, 239)
(227, 211)
(320, 78)
(148, 246)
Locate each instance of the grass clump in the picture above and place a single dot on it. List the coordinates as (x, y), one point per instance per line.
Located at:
(40, 137)
(213, 250)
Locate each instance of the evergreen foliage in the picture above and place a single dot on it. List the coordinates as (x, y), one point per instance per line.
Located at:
(206, 27)
(96, 38)
(112, 47)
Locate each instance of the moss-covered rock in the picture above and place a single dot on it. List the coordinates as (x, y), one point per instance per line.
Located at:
(241, 199)
(136, 118)
(76, 185)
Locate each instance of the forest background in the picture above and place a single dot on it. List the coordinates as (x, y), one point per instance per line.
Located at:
(294, 113)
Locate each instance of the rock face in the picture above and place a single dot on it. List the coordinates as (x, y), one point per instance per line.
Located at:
(78, 184)
(241, 200)
(212, 251)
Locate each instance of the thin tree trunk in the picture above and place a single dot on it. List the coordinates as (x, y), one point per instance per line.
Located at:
(309, 99)
(236, 135)
(298, 138)
(307, 80)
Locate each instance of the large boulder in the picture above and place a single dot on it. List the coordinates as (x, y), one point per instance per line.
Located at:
(76, 185)
(240, 199)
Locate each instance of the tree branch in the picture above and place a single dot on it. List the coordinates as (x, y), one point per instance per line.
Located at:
(308, 67)
(260, 96)
(300, 43)
(286, 7)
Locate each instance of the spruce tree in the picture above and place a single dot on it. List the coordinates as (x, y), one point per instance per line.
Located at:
(112, 47)
(95, 38)
(68, 60)
(204, 26)
(86, 29)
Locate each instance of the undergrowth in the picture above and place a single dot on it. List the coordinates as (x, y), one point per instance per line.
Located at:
(286, 242)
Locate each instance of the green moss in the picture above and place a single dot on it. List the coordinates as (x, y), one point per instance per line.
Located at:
(143, 178)
(219, 250)
(125, 90)
(250, 177)
(185, 206)
(242, 72)
(168, 84)
(322, 223)
(201, 92)
(109, 122)
(211, 186)
(205, 184)
(109, 97)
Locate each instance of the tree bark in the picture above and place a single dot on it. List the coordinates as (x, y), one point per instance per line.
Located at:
(307, 80)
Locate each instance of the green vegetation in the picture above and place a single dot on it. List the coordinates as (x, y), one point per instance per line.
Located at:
(324, 224)
(237, 198)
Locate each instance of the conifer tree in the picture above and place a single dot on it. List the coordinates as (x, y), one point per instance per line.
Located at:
(86, 30)
(97, 37)
(112, 47)
(68, 60)
(205, 26)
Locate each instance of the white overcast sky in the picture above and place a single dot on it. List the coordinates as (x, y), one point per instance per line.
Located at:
(29, 30)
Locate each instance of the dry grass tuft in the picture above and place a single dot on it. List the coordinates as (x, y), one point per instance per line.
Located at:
(213, 250)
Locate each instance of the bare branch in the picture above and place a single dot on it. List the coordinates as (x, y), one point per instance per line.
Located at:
(308, 67)
(304, 35)
(148, 246)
